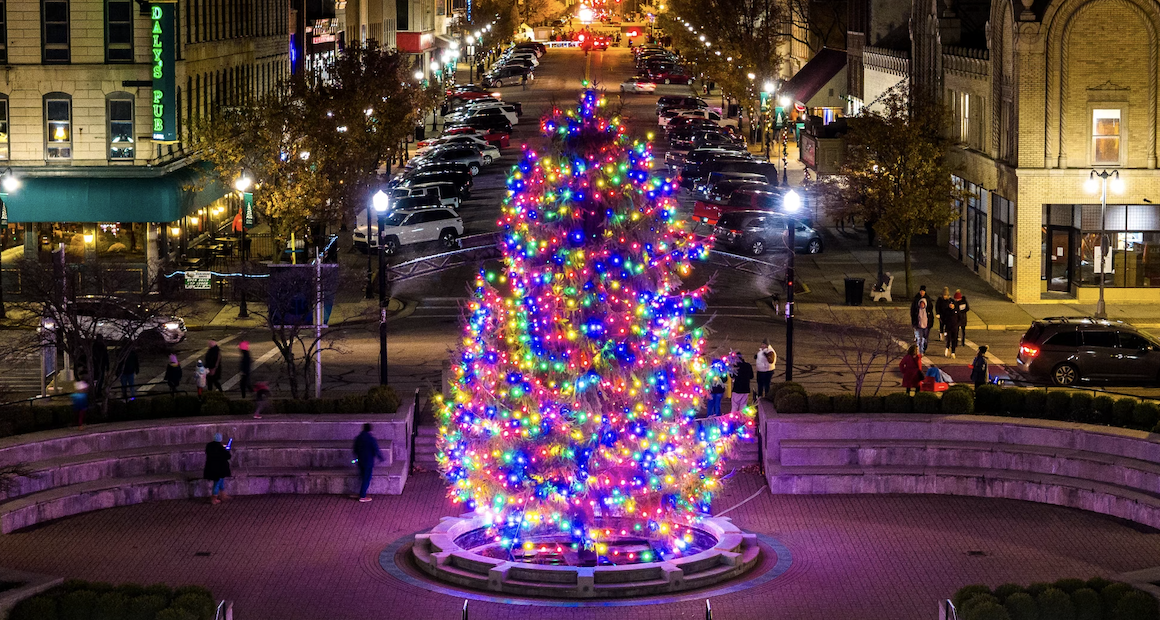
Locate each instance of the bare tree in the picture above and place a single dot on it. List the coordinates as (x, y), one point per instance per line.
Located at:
(866, 342)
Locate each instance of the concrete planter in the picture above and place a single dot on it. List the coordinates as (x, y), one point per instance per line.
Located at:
(1112, 471)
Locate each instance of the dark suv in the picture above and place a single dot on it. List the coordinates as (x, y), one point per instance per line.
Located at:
(755, 232)
(1067, 350)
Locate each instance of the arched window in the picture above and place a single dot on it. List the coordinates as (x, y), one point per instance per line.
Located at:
(119, 108)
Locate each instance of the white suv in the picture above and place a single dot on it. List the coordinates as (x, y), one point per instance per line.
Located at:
(410, 226)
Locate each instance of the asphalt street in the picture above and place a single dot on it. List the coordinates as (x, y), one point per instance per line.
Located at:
(422, 335)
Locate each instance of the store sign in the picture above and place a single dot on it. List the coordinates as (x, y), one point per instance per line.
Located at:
(198, 280)
(164, 101)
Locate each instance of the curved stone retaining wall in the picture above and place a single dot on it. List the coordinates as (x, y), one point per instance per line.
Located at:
(72, 471)
(1102, 469)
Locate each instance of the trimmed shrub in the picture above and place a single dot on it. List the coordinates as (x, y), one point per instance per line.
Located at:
(161, 406)
(1081, 409)
(988, 399)
(323, 405)
(1146, 415)
(1122, 411)
(958, 402)
(1007, 589)
(1020, 606)
(791, 401)
(1102, 410)
(927, 402)
(1087, 604)
(1034, 404)
(111, 606)
(982, 599)
(215, 403)
(821, 403)
(292, 405)
(1037, 588)
(131, 590)
(146, 606)
(1012, 402)
(985, 611)
(844, 403)
(873, 404)
(1058, 405)
(1112, 594)
(198, 590)
(77, 605)
(241, 407)
(966, 593)
(384, 399)
(1136, 605)
(1098, 583)
(35, 608)
(186, 405)
(352, 403)
(201, 605)
(174, 613)
(898, 402)
(1069, 585)
(160, 589)
(1055, 604)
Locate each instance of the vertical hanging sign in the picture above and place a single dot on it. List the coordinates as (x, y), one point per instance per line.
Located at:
(163, 100)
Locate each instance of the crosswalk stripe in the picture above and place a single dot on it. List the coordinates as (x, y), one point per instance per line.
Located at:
(237, 378)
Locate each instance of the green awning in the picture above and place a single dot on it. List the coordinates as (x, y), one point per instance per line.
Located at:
(103, 197)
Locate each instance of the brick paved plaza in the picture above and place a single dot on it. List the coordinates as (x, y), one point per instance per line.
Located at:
(295, 557)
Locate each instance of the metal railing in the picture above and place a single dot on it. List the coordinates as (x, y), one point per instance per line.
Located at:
(415, 433)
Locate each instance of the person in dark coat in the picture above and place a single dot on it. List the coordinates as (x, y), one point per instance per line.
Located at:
(950, 323)
(130, 366)
(217, 467)
(940, 306)
(962, 307)
(366, 452)
(213, 363)
(173, 375)
(921, 325)
(979, 372)
(742, 377)
(246, 366)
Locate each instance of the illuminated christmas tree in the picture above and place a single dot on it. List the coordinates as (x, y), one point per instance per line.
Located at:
(580, 375)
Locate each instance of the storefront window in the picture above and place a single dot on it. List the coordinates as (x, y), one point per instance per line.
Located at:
(956, 226)
(976, 226)
(1002, 231)
(1133, 237)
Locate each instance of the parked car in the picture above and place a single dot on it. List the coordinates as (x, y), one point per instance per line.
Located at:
(467, 155)
(638, 84)
(694, 170)
(1068, 350)
(447, 193)
(500, 76)
(755, 233)
(461, 181)
(498, 139)
(735, 198)
(701, 114)
(484, 108)
(539, 48)
(670, 75)
(683, 102)
(473, 139)
(115, 320)
(701, 187)
(486, 124)
(462, 115)
(409, 224)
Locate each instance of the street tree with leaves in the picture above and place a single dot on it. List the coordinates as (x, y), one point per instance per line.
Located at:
(314, 147)
(897, 174)
(749, 35)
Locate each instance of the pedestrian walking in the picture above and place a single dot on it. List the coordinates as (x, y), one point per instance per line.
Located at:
(949, 319)
(173, 375)
(217, 468)
(524, 82)
(716, 393)
(742, 377)
(201, 377)
(921, 318)
(979, 372)
(911, 368)
(262, 394)
(765, 362)
(130, 366)
(366, 452)
(940, 307)
(245, 367)
(962, 307)
(213, 362)
(80, 401)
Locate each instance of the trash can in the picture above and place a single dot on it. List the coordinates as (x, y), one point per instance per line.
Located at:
(854, 291)
(420, 132)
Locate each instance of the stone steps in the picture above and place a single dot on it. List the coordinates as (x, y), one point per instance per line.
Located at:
(425, 447)
(188, 459)
(109, 493)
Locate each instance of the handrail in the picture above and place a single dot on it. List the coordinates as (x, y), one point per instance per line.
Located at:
(414, 427)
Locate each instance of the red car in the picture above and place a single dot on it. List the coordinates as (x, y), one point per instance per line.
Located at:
(497, 139)
(706, 212)
(670, 77)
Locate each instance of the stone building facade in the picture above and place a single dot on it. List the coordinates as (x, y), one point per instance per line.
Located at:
(1039, 105)
(79, 114)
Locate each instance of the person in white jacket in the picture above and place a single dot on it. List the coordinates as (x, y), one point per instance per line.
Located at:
(764, 363)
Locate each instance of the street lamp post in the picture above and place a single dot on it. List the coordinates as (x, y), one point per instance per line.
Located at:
(471, 58)
(791, 204)
(382, 204)
(784, 101)
(766, 103)
(8, 184)
(243, 186)
(1098, 182)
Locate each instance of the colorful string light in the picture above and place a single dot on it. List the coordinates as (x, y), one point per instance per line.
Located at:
(580, 373)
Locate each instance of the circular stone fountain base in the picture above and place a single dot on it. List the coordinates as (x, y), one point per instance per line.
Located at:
(457, 551)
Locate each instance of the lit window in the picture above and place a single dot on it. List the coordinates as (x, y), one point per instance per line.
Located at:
(58, 137)
(1105, 137)
(3, 31)
(3, 128)
(121, 129)
(965, 118)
